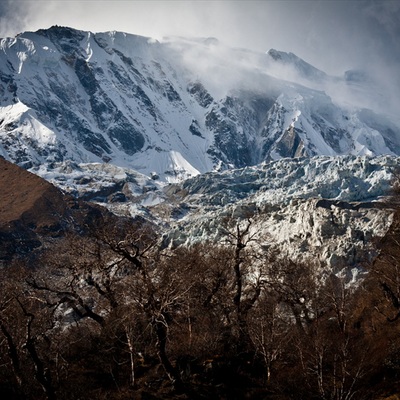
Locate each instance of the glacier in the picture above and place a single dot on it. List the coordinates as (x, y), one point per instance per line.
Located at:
(332, 208)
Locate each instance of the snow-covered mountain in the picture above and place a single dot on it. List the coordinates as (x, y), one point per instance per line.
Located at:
(189, 132)
(174, 109)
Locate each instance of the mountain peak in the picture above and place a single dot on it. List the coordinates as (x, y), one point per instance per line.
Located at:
(303, 68)
(57, 32)
(280, 55)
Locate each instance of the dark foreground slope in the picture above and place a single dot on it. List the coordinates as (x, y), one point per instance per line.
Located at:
(34, 212)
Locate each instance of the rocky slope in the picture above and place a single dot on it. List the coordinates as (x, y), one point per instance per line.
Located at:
(320, 207)
(330, 208)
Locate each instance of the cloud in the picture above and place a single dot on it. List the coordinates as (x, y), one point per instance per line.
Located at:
(334, 36)
(13, 18)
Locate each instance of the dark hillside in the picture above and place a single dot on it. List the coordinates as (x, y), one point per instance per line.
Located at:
(27, 198)
(377, 311)
(33, 211)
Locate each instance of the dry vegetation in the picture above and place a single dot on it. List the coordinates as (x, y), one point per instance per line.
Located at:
(106, 313)
(112, 315)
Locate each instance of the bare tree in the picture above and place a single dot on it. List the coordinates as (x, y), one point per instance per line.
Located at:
(247, 278)
(25, 321)
(269, 330)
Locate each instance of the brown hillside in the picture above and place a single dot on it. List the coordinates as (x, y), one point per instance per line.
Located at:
(33, 211)
(27, 197)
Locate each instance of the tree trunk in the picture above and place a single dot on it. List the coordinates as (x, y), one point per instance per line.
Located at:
(172, 373)
(131, 357)
(13, 353)
(41, 373)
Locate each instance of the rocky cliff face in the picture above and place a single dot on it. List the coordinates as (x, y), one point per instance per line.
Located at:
(339, 236)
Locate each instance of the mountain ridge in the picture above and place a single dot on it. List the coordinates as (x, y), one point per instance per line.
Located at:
(149, 106)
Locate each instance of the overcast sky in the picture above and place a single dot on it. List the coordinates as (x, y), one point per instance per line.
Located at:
(332, 35)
